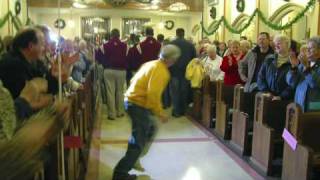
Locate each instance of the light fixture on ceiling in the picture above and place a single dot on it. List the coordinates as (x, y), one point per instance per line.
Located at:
(178, 6)
(79, 5)
(155, 1)
(154, 7)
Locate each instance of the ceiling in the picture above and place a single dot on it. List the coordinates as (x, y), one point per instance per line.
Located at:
(195, 5)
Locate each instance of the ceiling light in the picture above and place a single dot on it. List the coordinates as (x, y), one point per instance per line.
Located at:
(161, 25)
(178, 6)
(79, 5)
(154, 7)
(155, 1)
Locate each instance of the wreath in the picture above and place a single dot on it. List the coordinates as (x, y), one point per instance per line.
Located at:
(213, 12)
(241, 5)
(169, 24)
(60, 24)
(17, 7)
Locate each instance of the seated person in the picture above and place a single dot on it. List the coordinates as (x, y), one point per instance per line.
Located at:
(272, 75)
(305, 75)
(23, 142)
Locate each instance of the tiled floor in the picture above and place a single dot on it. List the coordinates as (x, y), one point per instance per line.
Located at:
(182, 151)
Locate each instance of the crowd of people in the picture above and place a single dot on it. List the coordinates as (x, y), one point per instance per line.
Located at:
(148, 74)
(29, 83)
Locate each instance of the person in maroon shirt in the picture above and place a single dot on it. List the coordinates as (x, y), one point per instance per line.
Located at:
(150, 47)
(115, 64)
(230, 64)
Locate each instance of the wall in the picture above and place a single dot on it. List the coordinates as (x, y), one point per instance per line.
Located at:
(49, 15)
(9, 5)
(298, 30)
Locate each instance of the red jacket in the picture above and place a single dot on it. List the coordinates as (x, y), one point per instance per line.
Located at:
(115, 54)
(150, 49)
(231, 76)
(134, 58)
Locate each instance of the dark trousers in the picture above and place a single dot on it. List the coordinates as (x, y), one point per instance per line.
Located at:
(143, 130)
(180, 93)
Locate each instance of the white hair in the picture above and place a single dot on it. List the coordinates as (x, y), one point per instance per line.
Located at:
(211, 48)
(170, 51)
(282, 38)
(315, 40)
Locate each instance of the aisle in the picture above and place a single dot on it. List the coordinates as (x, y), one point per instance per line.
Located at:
(182, 151)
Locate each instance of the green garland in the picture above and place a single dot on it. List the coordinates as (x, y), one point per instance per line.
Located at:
(262, 17)
(15, 21)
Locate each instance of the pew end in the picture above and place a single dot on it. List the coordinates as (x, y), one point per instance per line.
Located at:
(304, 160)
(267, 144)
(224, 99)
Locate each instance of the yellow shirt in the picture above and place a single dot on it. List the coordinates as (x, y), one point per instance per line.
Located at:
(147, 86)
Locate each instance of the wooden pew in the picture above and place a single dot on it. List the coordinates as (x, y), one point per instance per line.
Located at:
(305, 127)
(209, 98)
(242, 121)
(224, 99)
(267, 144)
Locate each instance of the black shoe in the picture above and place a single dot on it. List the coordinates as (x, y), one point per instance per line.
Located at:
(124, 177)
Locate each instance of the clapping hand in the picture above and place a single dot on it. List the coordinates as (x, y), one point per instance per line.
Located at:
(294, 59)
(34, 93)
(66, 64)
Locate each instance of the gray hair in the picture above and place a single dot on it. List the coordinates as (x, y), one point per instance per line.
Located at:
(170, 51)
(282, 38)
(211, 48)
(315, 40)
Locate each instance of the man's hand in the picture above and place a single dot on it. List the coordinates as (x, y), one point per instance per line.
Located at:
(34, 93)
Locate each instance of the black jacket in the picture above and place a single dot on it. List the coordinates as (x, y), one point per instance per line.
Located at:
(15, 70)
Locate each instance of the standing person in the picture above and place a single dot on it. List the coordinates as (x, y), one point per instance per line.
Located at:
(305, 73)
(150, 47)
(115, 65)
(212, 64)
(250, 65)
(230, 64)
(134, 58)
(179, 85)
(160, 39)
(222, 48)
(272, 75)
(143, 100)
(17, 67)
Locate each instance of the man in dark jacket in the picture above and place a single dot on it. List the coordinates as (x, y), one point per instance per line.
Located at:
(19, 66)
(250, 65)
(150, 47)
(179, 86)
(272, 75)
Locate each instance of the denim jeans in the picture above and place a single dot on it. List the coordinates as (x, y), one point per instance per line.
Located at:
(143, 131)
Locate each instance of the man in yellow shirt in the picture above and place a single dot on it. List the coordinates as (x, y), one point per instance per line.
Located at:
(142, 101)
